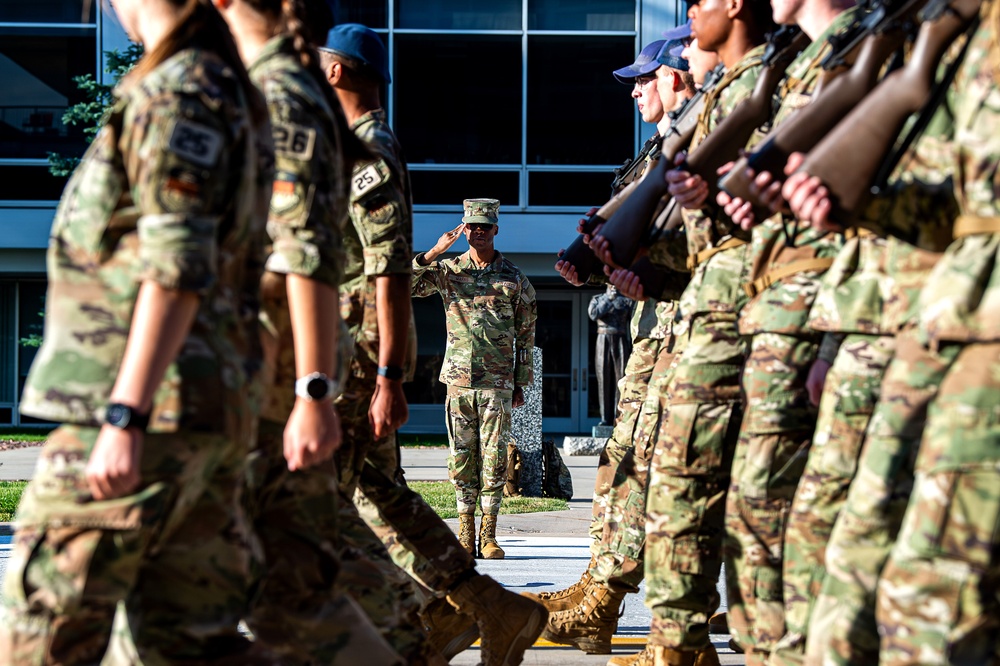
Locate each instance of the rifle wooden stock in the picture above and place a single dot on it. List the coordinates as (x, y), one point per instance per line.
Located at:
(625, 233)
(657, 282)
(849, 158)
(841, 90)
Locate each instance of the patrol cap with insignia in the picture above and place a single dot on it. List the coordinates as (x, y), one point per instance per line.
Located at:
(644, 64)
(360, 43)
(481, 211)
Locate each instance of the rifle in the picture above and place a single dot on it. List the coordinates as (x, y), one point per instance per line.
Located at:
(722, 145)
(623, 174)
(579, 253)
(852, 68)
(867, 134)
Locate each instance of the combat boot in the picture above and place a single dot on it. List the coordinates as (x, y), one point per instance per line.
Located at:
(449, 631)
(589, 626)
(508, 623)
(664, 656)
(467, 532)
(564, 599)
(644, 658)
(489, 549)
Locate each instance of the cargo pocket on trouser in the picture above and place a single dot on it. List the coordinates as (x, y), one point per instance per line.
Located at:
(74, 562)
(934, 597)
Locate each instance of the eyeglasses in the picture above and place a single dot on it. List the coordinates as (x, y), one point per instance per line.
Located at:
(642, 81)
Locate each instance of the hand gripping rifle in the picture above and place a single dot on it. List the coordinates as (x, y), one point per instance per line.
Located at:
(626, 229)
(851, 159)
(852, 69)
(681, 130)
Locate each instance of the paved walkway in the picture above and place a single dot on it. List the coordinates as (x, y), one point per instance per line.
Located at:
(545, 551)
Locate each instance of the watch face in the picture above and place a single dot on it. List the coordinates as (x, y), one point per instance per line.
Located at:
(318, 388)
(118, 415)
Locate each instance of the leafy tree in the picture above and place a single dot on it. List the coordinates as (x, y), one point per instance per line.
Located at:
(90, 114)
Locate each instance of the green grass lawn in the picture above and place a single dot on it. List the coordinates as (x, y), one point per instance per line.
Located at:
(24, 434)
(424, 441)
(10, 495)
(439, 494)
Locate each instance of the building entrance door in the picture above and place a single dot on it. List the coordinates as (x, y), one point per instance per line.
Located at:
(569, 386)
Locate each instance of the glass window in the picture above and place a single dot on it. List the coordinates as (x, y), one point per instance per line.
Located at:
(581, 15)
(370, 13)
(458, 98)
(566, 77)
(458, 14)
(30, 183)
(48, 11)
(425, 389)
(8, 345)
(583, 190)
(557, 356)
(453, 187)
(37, 73)
(31, 324)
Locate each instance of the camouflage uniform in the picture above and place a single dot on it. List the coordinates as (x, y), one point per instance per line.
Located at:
(689, 473)
(295, 515)
(917, 216)
(173, 192)
(788, 258)
(481, 369)
(937, 597)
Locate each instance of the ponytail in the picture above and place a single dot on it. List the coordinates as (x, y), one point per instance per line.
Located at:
(293, 22)
(202, 27)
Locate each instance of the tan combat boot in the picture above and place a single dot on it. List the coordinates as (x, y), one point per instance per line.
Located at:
(664, 656)
(489, 549)
(449, 631)
(589, 626)
(564, 599)
(508, 623)
(467, 532)
(644, 658)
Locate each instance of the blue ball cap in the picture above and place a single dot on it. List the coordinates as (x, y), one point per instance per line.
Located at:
(680, 32)
(360, 43)
(643, 65)
(670, 55)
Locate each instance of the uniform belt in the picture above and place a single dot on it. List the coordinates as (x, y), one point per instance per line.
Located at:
(706, 254)
(969, 225)
(858, 232)
(610, 330)
(769, 278)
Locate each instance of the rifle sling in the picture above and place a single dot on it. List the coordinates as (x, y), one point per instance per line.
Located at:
(706, 254)
(970, 225)
(769, 278)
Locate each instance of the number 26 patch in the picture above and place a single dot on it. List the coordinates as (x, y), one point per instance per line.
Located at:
(294, 141)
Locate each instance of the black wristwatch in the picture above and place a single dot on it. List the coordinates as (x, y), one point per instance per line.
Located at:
(390, 371)
(122, 416)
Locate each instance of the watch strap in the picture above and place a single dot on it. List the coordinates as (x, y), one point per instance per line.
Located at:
(390, 371)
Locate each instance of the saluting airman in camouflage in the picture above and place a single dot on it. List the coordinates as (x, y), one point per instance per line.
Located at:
(490, 316)
(149, 360)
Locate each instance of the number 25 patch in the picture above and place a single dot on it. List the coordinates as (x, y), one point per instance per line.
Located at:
(294, 140)
(364, 180)
(196, 143)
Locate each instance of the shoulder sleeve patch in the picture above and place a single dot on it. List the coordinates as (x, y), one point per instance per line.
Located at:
(366, 179)
(196, 143)
(295, 141)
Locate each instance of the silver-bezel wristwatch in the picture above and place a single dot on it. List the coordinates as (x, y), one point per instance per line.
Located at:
(316, 386)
